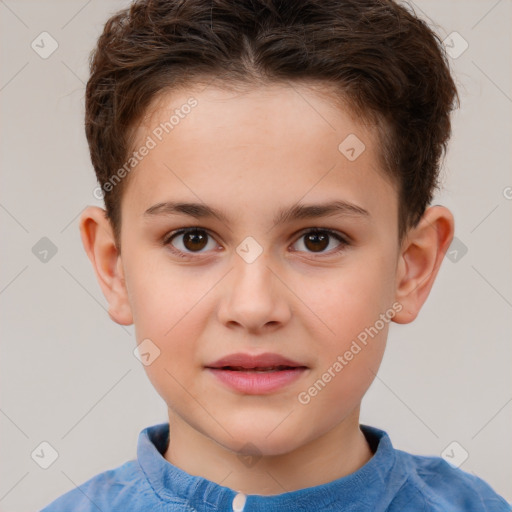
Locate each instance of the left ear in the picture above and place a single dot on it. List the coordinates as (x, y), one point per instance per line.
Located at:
(420, 258)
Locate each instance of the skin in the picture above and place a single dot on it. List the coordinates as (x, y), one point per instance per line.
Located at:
(249, 154)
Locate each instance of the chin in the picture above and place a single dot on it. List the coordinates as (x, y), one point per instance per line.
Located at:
(261, 438)
(261, 447)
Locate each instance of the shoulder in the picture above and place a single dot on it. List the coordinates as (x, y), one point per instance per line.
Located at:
(121, 488)
(434, 485)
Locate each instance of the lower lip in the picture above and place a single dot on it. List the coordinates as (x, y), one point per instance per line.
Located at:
(257, 383)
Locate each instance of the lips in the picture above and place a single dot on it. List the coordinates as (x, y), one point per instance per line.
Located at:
(256, 374)
(258, 363)
(257, 369)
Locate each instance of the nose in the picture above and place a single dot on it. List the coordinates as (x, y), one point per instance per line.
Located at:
(254, 297)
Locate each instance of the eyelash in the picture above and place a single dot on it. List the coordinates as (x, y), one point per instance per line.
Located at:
(170, 236)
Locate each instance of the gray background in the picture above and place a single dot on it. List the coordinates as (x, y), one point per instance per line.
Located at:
(68, 373)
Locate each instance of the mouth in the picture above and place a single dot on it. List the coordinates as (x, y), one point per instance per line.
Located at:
(256, 374)
(257, 369)
(255, 362)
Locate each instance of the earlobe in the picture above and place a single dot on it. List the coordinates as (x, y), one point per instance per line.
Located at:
(99, 244)
(420, 258)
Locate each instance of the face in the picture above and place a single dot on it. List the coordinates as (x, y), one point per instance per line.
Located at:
(265, 273)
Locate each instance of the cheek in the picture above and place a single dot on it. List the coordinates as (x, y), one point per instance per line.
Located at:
(173, 320)
(168, 310)
(163, 294)
(344, 374)
(351, 336)
(346, 302)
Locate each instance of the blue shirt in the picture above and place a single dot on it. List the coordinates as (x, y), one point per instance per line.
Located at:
(392, 480)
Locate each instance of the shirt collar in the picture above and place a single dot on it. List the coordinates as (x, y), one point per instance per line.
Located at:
(370, 487)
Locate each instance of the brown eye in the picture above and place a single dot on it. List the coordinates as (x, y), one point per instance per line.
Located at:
(318, 240)
(194, 240)
(189, 241)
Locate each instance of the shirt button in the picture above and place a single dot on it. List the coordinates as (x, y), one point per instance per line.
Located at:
(239, 502)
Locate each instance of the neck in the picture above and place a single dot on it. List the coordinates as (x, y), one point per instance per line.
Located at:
(335, 454)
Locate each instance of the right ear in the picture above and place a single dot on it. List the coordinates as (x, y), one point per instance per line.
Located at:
(99, 244)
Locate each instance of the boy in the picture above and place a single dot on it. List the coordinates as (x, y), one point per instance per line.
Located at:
(256, 130)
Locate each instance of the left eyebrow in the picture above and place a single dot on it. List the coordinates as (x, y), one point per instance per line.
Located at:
(312, 211)
(296, 212)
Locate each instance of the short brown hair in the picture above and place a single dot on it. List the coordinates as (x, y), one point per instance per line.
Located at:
(379, 56)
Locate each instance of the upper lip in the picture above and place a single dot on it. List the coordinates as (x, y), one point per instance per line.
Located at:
(267, 360)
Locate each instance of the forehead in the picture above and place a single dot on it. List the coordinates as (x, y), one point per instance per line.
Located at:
(275, 143)
(319, 110)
